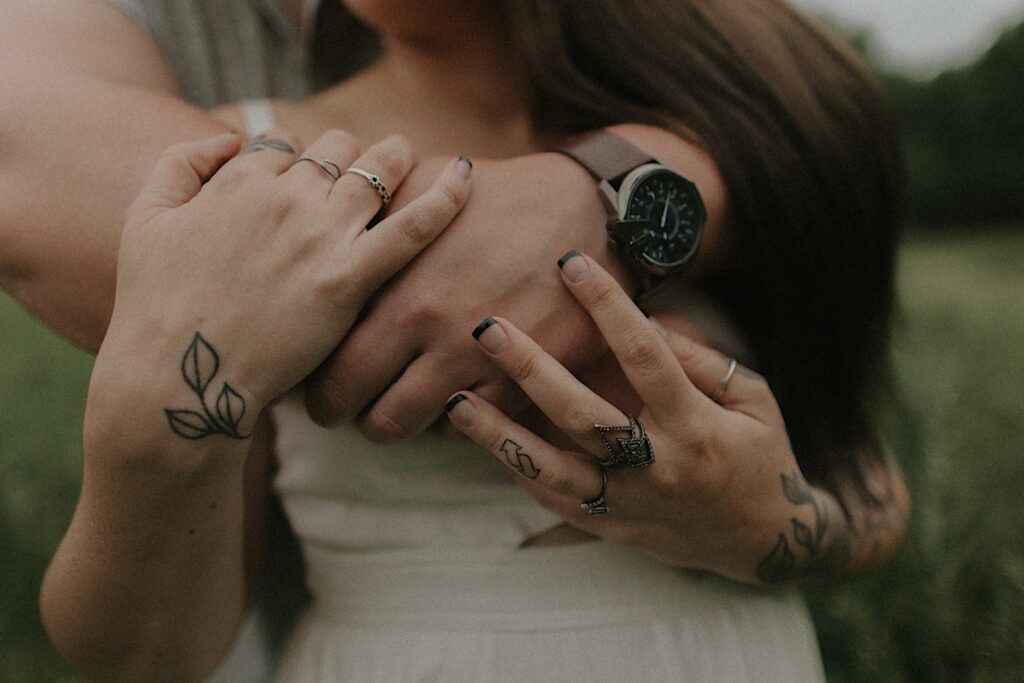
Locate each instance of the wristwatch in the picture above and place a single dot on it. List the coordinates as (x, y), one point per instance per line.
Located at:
(656, 216)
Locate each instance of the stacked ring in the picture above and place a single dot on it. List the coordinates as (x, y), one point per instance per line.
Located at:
(597, 506)
(723, 386)
(631, 452)
(326, 165)
(375, 182)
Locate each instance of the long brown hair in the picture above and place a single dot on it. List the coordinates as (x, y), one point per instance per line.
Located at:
(806, 146)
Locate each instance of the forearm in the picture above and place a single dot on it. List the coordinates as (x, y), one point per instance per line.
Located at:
(822, 544)
(148, 583)
(87, 107)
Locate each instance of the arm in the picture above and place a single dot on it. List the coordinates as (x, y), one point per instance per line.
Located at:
(87, 108)
(148, 582)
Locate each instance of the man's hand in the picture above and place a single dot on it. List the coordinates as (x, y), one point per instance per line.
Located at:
(414, 346)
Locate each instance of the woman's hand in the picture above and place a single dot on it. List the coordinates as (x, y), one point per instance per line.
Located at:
(248, 270)
(724, 494)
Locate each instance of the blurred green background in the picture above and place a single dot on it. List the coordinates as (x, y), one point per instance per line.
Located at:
(950, 608)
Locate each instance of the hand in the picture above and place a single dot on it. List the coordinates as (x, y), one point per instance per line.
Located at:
(413, 348)
(725, 480)
(265, 267)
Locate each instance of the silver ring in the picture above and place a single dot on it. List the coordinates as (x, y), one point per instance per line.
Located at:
(375, 182)
(326, 165)
(597, 506)
(633, 451)
(724, 384)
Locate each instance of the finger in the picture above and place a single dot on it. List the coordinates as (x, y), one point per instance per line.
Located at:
(645, 358)
(737, 388)
(567, 402)
(320, 165)
(387, 163)
(416, 399)
(180, 172)
(274, 150)
(379, 253)
(565, 473)
(502, 393)
(368, 361)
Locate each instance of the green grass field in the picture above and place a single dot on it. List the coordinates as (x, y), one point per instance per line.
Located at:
(951, 608)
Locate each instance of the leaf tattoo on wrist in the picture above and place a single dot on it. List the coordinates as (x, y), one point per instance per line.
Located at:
(199, 366)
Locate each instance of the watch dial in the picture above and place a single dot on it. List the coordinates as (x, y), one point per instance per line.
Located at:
(673, 215)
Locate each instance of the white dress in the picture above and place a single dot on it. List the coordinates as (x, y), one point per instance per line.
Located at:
(413, 561)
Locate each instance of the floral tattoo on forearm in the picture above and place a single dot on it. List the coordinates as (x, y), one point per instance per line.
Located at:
(199, 366)
(819, 555)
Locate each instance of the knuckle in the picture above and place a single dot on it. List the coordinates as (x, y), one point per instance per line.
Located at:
(381, 427)
(602, 296)
(326, 402)
(180, 152)
(641, 350)
(415, 225)
(559, 481)
(391, 160)
(522, 367)
(580, 418)
(451, 198)
(341, 140)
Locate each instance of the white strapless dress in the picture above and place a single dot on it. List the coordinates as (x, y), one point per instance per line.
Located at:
(413, 560)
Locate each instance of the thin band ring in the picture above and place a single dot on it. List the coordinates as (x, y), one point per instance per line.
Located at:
(723, 386)
(326, 165)
(597, 506)
(375, 182)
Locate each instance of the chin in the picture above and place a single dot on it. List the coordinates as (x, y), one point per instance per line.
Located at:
(406, 16)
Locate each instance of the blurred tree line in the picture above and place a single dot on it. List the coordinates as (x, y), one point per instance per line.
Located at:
(963, 134)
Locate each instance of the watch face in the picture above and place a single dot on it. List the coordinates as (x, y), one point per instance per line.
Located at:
(668, 215)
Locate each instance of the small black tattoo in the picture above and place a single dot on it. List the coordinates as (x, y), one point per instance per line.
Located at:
(519, 461)
(262, 142)
(199, 365)
(781, 564)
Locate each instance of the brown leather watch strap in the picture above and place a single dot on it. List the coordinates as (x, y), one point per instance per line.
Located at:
(606, 155)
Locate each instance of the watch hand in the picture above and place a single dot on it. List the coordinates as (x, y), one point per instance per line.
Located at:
(664, 214)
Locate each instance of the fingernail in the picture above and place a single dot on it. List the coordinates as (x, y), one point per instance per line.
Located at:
(460, 410)
(574, 266)
(464, 166)
(490, 335)
(658, 327)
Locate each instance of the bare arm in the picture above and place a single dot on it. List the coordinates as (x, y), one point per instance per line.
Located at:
(148, 582)
(87, 106)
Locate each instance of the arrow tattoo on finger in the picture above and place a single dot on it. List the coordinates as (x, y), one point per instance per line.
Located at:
(518, 460)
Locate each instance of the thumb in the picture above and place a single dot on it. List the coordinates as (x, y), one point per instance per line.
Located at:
(180, 172)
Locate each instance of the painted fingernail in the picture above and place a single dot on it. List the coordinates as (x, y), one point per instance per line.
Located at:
(491, 336)
(460, 410)
(574, 266)
(464, 166)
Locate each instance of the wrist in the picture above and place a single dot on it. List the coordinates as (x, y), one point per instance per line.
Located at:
(141, 406)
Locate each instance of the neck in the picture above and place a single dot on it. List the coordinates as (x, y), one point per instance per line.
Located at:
(463, 74)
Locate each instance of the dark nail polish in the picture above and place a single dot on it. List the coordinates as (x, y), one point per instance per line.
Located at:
(455, 400)
(568, 255)
(482, 327)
